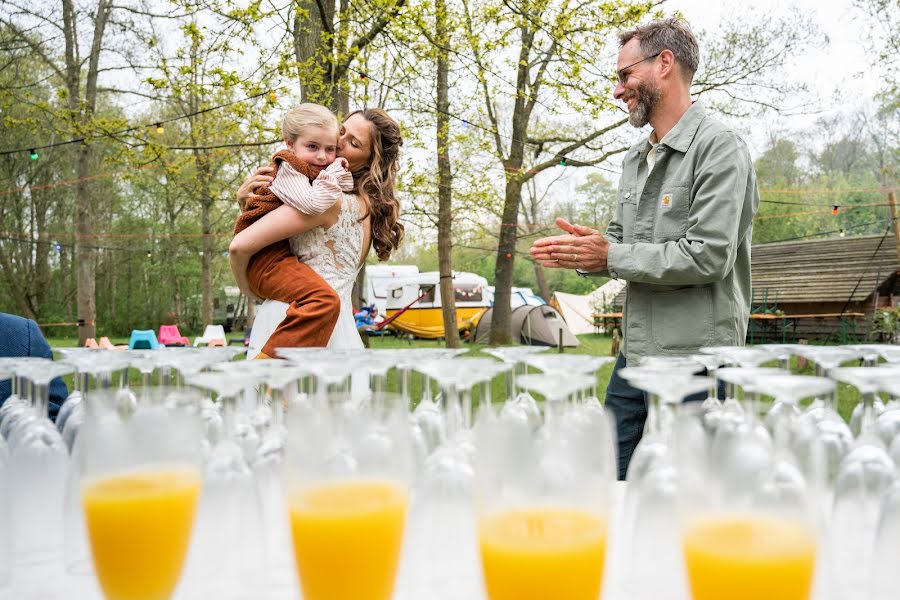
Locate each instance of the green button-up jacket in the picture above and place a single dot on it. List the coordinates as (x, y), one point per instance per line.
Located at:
(681, 239)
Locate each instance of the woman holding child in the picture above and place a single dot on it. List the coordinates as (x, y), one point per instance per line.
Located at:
(305, 207)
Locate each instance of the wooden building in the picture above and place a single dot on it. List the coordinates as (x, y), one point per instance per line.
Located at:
(823, 290)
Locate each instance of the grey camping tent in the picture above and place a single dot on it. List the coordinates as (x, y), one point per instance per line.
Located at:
(532, 325)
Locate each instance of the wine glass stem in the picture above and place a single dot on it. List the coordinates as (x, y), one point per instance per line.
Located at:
(228, 408)
(279, 399)
(403, 383)
(453, 410)
(750, 404)
(165, 376)
(653, 413)
(781, 431)
(868, 416)
(466, 400)
(553, 410)
(42, 400)
(426, 388)
(146, 382)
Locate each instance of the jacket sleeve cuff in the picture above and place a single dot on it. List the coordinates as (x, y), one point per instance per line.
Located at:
(619, 261)
(592, 273)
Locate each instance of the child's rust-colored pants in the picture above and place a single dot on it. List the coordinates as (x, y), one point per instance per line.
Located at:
(276, 274)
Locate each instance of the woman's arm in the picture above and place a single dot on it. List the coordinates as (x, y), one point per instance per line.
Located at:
(262, 177)
(280, 224)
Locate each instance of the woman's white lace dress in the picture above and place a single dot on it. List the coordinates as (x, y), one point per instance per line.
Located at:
(335, 255)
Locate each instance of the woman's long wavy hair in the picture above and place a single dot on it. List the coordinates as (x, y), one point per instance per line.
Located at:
(375, 183)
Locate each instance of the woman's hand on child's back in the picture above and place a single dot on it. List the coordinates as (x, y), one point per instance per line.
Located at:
(260, 179)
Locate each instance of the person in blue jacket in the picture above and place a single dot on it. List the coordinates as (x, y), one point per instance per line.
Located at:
(21, 337)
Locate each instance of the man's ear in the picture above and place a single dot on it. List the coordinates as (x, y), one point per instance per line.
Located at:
(667, 64)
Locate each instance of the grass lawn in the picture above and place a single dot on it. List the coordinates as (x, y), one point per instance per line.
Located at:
(598, 345)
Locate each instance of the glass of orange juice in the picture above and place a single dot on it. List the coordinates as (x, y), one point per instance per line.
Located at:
(140, 482)
(748, 508)
(542, 498)
(349, 463)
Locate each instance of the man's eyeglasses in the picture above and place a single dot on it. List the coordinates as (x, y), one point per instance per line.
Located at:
(621, 75)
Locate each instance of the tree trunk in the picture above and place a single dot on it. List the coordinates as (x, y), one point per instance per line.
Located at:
(340, 78)
(83, 109)
(313, 46)
(84, 251)
(445, 179)
(40, 286)
(506, 255)
(206, 202)
(541, 278)
(515, 180)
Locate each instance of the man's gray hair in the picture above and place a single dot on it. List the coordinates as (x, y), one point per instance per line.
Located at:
(667, 34)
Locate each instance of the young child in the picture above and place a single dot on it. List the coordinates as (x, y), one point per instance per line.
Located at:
(310, 179)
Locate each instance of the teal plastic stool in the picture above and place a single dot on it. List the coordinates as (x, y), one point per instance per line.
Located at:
(143, 339)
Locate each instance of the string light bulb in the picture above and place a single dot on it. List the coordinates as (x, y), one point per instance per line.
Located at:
(835, 209)
(362, 76)
(563, 161)
(149, 254)
(34, 154)
(841, 233)
(160, 129)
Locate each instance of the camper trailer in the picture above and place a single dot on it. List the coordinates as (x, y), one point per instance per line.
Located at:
(518, 296)
(418, 300)
(378, 277)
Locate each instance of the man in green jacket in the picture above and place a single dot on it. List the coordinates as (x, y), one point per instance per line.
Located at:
(683, 222)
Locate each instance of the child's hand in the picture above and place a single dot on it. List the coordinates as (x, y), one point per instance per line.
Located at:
(343, 161)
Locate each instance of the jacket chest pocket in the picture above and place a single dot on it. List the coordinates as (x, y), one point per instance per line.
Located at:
(628, 210)
(672, 207)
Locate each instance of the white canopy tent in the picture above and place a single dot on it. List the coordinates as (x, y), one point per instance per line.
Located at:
(578, 311)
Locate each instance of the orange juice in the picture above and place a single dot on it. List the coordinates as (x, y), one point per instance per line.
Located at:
(749, 558)
(543, 554)
(347, 539)
(139, 525)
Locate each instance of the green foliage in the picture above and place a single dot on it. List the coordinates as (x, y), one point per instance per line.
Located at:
(846, 162)
(886, 324)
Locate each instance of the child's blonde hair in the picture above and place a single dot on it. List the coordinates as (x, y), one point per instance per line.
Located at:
(306, 115)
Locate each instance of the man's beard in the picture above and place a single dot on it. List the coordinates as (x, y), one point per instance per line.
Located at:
(646, 98)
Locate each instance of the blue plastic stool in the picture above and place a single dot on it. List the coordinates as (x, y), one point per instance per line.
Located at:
(143, 339)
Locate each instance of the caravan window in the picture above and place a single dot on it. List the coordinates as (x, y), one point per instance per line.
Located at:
(397, 292)
(428, 290)
(467, 292)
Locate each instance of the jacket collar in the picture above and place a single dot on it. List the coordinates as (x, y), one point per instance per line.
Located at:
(682, 135)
